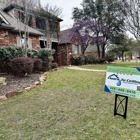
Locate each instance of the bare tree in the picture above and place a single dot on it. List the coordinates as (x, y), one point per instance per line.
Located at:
(24, 9)
(131, 13)
(52, 15)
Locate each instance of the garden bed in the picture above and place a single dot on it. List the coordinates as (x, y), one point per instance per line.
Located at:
(17, 83)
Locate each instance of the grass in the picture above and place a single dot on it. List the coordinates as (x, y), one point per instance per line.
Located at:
(104, 66)
(70, 105)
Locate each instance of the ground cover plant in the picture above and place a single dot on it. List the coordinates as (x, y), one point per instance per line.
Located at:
(70, 105)
(104, 66)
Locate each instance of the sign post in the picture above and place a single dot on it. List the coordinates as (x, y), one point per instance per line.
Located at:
(124, 82)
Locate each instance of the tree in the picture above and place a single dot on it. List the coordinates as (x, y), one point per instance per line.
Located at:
(103, 12)
(24, 12)
(89, 31)
(130, 10)
(49, 17)
(122, 44)
(80, 33)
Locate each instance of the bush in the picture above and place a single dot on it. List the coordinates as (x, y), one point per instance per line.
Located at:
(78, 60)
(46, 54)
(6, 54)
(32, 53)
(15, 51)
(110, 60)
(22, 66)
(54, 65)
(89, 59)
(46, 66)
(37, 65)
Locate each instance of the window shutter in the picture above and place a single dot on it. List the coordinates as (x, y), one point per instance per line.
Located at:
(18, 42)
(79, 49)
(29, 43)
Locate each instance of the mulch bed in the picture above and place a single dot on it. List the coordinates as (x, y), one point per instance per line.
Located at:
(17, 83)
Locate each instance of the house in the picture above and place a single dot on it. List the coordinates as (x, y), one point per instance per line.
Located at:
(92, 50)
(12, 27)
(67, 48)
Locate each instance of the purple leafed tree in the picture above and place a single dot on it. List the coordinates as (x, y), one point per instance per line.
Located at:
(90, 32)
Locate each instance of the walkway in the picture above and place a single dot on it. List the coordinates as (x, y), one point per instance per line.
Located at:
(78, 68)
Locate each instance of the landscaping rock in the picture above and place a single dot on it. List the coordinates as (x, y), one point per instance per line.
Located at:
(37, 83)
(28, 88)
(32, 86)
(3, 81)
(3, 98)
(11, 94)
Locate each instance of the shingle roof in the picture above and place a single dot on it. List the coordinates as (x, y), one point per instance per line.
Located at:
(13, 22)
(65, 38)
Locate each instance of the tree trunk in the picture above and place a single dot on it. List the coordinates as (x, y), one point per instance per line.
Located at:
(103, 52)
(122, 56)
(98, 49)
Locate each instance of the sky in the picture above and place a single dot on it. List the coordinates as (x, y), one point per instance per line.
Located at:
(66, 7)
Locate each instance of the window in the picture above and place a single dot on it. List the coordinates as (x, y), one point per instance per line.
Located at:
(21, 42)
(40, 23)
(76, 49)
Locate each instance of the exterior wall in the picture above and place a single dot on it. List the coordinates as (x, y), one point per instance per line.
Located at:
(58, 31)
(95, 54)
(9, 38)
(35, 42)
(16, 15)
(64, 54)
(33, 22)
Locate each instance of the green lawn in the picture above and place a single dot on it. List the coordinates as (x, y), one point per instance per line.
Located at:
(70, 105)
(104, 66)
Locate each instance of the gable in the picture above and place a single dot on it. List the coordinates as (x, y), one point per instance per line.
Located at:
(3, 19)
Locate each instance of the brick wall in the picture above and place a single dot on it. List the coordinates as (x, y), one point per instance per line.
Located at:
(8, 38)
(64, 54)
(16, 14)
(35, 42)
(58, 31)
(33, 22)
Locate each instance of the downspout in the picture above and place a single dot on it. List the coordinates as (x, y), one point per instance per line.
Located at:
(67, 54)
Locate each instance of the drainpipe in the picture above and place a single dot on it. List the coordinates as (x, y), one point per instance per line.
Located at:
(67, 54)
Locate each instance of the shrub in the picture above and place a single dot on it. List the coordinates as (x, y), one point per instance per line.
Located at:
(78, 60)
(54, 65)
(37, 65)
(89, 59)
(110, 60)
(46, 54)
(46, 66)
(32, 53)
(22, 66)
(15, 51)
(6, 54)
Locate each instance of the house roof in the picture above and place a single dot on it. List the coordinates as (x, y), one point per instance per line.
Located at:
(13, 22)
(65, 38)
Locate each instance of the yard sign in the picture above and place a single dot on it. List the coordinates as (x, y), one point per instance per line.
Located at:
(123, 81)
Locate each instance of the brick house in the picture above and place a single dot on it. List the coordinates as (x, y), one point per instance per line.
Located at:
(9, 28)
(67, 48)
